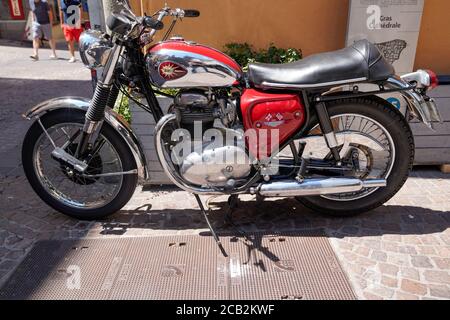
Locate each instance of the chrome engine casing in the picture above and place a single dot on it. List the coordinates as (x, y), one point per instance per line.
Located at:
(209, 166)
(204, 149)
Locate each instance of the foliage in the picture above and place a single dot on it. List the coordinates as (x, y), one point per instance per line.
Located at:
(169, 91)
(122, 107)
(244, 54)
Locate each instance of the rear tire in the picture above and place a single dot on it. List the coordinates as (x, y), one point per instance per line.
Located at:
(397, 126)
(129, 181)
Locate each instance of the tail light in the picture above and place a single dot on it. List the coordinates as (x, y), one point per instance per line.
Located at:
(434, 81)
(423, 79)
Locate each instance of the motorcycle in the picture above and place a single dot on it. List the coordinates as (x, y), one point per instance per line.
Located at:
(305, 129)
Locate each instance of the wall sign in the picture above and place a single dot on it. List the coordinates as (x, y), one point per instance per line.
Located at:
(16, 9)
(393, 26)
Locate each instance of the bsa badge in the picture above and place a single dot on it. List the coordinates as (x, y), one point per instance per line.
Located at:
(171, 71)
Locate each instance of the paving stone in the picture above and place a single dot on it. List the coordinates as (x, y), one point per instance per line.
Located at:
(388, 269)
(363, 251)
(371, 296)
(437, 276)
(399, 259)
(426, 250)
(12, 240)
(383, 292)
(410, 273)
(413, 287)
(7, 264)
(442, 263)
(389, 282)
(379, 256)
(421, 262)
(405, 296)
(440, 291)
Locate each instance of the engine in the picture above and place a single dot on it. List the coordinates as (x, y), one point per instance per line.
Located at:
(214, 152)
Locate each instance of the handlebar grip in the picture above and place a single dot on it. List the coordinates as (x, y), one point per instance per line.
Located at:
(191, 13)
(149, 22)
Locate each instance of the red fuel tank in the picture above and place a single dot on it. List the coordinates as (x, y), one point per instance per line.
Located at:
(183, 64)
(272, 117)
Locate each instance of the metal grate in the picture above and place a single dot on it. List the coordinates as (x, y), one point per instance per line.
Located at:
(296, 265)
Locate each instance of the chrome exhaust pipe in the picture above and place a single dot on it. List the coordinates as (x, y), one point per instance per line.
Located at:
(315, 187)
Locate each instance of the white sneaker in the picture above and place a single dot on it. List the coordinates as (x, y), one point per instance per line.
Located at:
(34, 57)
(53, 57)
(72, 60)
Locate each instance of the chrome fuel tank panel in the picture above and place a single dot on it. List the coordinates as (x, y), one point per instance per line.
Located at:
(190, 65)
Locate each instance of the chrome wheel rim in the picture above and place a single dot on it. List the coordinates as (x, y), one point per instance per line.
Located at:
(68, 188)
(381, 160)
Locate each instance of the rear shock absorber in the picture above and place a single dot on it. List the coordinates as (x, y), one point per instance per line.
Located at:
(327, 129)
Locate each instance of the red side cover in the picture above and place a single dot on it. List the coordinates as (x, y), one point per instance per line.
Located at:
(272, 118)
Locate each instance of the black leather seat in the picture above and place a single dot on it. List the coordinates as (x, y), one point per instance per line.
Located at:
(360, 62)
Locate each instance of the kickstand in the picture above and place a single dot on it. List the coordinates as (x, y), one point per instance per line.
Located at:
(232, 204)
(205, 215)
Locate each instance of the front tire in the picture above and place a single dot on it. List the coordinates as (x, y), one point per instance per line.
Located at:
(398, 128)
(76, 210)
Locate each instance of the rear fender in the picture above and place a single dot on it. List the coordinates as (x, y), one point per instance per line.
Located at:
(420, 106)
(112, 118)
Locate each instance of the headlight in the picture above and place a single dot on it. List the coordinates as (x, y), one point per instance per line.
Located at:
(94, 48)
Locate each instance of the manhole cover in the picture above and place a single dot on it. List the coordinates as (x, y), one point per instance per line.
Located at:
(297, 265)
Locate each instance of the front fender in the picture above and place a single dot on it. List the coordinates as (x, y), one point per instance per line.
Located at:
(111, 117)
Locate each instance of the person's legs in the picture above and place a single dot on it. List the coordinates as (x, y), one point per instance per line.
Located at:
(53, 46)
(36, 33)
(36, 43)
(71, 44)
(47, 30)
(68, 34)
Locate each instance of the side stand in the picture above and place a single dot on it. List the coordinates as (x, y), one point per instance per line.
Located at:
(205, 215)
(232, 204)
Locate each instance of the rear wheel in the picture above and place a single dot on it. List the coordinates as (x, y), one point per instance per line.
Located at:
(378, 141)
(91, 195)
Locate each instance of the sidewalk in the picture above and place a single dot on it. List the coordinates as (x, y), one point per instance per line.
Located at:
(399, 251)
(24, 83)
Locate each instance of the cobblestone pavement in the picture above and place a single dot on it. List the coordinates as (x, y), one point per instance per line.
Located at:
(398, 251)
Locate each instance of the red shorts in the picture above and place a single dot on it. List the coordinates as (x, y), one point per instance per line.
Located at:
(72, 34)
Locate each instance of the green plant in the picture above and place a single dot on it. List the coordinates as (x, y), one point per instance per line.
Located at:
(122, 107)
(244, 54)
(170, 91)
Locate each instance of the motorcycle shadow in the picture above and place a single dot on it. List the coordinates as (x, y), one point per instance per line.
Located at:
(283, 215)
(256, 224)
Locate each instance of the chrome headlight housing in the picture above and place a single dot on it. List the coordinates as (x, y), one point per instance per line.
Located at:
(94, 48)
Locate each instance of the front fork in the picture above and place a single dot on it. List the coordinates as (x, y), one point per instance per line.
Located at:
(105, 95)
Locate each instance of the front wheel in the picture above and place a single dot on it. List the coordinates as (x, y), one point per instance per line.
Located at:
(92, 195)
(377, 139)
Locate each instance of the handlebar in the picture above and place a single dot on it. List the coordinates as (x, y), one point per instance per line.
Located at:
(191, 13)
(149, 22)
(176, 13)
